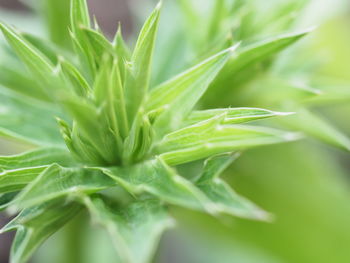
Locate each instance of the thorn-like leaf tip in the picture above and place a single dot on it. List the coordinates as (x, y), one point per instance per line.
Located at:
(284, 113)
(293, 136)
(311, 28)
(159, 5)
(234, 47)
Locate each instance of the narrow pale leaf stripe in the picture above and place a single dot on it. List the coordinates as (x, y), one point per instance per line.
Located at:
(233, 115)
(89, 122)
(98, 43)
(219, 192)
(117, 94)
(135, 229)
(35, 158)
(160, 180)
(156, 178)
(28, 119)
(109, 93)
(79, 19)
(123, 53)
(35, 225)
(215, 165)
(174, 89)
(77, 80)
(138, 78)
(58, 182)
(14, 180)
(139, 141)
(43, 46)
(178, 96)
(79, 15)
(121, 48)
(210, 137)
(35, 61)
(229, 202)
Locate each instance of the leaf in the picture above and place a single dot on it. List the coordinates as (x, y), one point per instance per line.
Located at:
(5, 199)
(139, 141)
(18, 80)
(79, 15)
(220, 193)
(156, 178)
(43, 46)
(141, 62)
(34, 225)
(92, 124)
(123, 53)
(242, 67)
(216, 18)
(77, 80)
(98, 43)
(121, 48)
(178, 96)
(35, 158)
(260, 51)
(233, 115)
(56, 14)
(109, 93)
(135, 229)
(215, 165)
(35, 61)
(14, 180)
(211, 137)
(58, 182)
(318, 128)
(28, 120)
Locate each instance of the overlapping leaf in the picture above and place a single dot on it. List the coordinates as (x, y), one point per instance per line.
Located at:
(244, 67)
(34, 225)
(135, 230)
(14, 180)
(17, 79)
(177, 97)
(35, 158)
(212, 137)
(131, 134)
(137, 81)
(318, 128)
(56, 14)
(158, 179)
(220, 193)
(233, 115)
(6, 199)
(28, 120)
(58, 182)
(36, 62)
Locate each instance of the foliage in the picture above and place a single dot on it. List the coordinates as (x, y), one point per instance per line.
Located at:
(125, 126)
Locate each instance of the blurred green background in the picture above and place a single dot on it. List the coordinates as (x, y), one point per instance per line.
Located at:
(304, 184)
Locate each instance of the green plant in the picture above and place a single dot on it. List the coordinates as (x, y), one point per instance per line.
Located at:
(120, 133)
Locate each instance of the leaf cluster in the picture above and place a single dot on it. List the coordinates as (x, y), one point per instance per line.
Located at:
(118, 130)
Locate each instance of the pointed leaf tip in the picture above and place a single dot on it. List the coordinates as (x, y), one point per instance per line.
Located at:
(159, 5)
(293, 136)
(235, 46)
(284, 113)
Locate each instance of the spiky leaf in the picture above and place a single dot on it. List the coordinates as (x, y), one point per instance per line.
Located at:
(135, 230)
